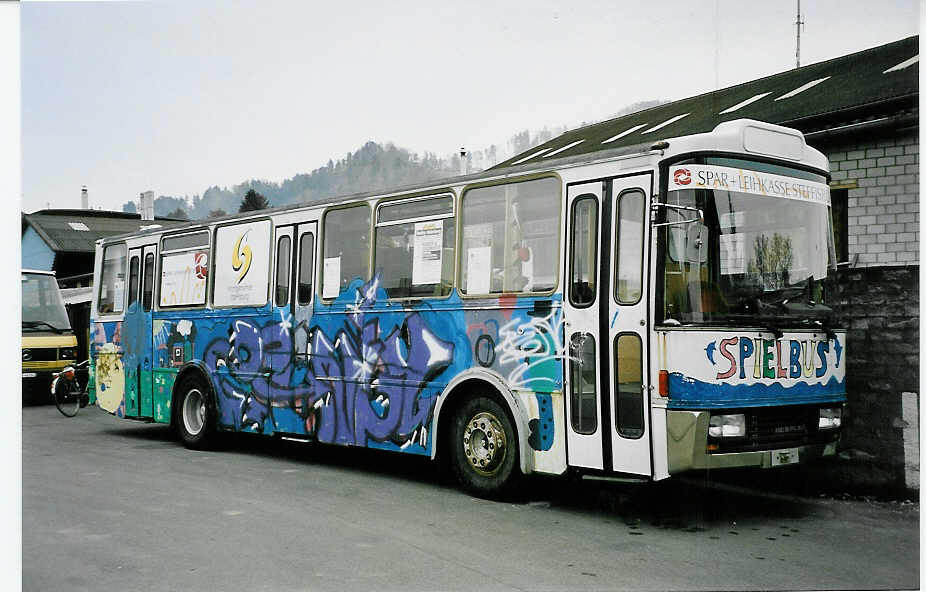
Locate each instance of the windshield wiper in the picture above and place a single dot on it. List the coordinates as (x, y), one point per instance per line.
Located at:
(34, 324)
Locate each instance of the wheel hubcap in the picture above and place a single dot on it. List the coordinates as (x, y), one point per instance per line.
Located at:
(484, 443)
(194, 412)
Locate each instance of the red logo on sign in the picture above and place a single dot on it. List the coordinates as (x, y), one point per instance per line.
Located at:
(682, 177)
(200, 265)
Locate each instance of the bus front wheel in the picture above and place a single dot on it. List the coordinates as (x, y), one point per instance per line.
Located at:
(485, 449)
(195, 417)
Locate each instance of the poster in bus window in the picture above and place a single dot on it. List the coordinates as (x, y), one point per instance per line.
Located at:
(331, 286)
(183, 278)
(478, 270)
(242, 264)
(428, 253)
(118, 294)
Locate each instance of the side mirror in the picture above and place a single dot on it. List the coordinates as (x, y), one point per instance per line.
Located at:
(697, 217)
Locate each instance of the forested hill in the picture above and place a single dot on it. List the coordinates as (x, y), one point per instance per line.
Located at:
(372, 167)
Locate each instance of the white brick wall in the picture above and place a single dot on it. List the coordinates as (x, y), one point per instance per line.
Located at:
(884, 207)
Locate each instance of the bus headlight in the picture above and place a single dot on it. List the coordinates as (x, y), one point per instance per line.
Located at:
(67, 353)
(727, 426)
(830, 418)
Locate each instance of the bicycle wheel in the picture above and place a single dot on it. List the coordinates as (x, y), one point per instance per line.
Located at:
(67, 397)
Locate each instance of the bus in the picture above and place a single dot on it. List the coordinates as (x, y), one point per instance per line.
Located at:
(48, 343)
(631, 314)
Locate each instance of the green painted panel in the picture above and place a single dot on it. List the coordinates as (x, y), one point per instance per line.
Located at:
(131, 392)
(163, 387)
(145, 403)
(91, 382)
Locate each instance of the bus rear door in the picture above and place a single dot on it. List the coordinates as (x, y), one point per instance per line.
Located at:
(137, 334)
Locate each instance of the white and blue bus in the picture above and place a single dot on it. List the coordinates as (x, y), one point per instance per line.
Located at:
(627, 314)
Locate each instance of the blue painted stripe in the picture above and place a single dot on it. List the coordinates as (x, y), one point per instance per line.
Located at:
(689, 393)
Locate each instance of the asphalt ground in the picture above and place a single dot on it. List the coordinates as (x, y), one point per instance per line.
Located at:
(119, 505)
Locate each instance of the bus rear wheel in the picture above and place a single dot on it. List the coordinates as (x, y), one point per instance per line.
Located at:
(195, 416)
(484, 449)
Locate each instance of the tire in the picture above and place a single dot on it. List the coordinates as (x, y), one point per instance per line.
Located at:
(67, 396)
(195, 414)
(484, 449)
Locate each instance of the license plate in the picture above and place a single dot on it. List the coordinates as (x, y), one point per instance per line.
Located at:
(29, 374)
(788, 456)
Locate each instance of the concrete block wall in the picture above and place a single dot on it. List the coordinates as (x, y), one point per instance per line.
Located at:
(883, 178)
(879, 306)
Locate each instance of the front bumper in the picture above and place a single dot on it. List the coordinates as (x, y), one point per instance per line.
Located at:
(686, 433)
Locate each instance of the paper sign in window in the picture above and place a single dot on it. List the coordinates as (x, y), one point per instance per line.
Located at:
(428, 252)
(732, 254)
(332, 277)
(478, 270)
(118, 294)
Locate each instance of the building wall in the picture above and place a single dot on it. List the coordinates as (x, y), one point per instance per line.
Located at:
(879, 305)
(36, 254)
(882, 175)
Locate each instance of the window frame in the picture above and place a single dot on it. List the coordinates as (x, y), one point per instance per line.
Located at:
(585, 338)
(153, 283)
(641, 268)
(214, 237)
(134, 285)
(411, 198)
(298, 270)
(616, 398)
(161, 253)
(590, 197)
(99, 289)
(458, 276)
(287, 275)
(323, 233)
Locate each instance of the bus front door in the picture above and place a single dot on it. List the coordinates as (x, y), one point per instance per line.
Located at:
(606, 325)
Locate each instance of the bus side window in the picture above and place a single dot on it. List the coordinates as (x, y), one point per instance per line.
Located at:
(631, 207)
(283, 259)
(414, 247)
(112, 280)
(133, 280)
(628, 362)
(346, 248)
(306, 268)
(582, 374)
(584, 251)
(510, 241)
(148, 283)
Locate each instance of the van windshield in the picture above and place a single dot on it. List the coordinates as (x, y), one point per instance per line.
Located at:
(42, 306)
(764, 253)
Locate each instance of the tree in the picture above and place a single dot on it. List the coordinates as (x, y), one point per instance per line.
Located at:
(772, 260)
(179, 214)
(253, 201)
(217, 213)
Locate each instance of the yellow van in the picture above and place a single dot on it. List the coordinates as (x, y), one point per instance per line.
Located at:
(48, 343)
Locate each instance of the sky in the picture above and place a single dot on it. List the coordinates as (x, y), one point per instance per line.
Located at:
(177, 96)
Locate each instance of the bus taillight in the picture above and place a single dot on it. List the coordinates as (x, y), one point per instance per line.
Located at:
(663, 383)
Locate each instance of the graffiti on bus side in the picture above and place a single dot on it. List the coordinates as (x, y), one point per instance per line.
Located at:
(527, 350)
(109, 372)
(352, 384)
(368, 376)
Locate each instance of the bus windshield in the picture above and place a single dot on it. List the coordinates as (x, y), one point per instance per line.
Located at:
(42, 306)
(763, 254)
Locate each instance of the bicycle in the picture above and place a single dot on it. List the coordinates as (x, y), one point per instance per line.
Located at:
(67, 392)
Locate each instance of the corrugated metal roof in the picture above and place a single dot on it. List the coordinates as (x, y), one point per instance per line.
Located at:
(76, 231)
(858, 86)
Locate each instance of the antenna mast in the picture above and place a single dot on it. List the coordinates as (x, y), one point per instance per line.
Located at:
(798, 23)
